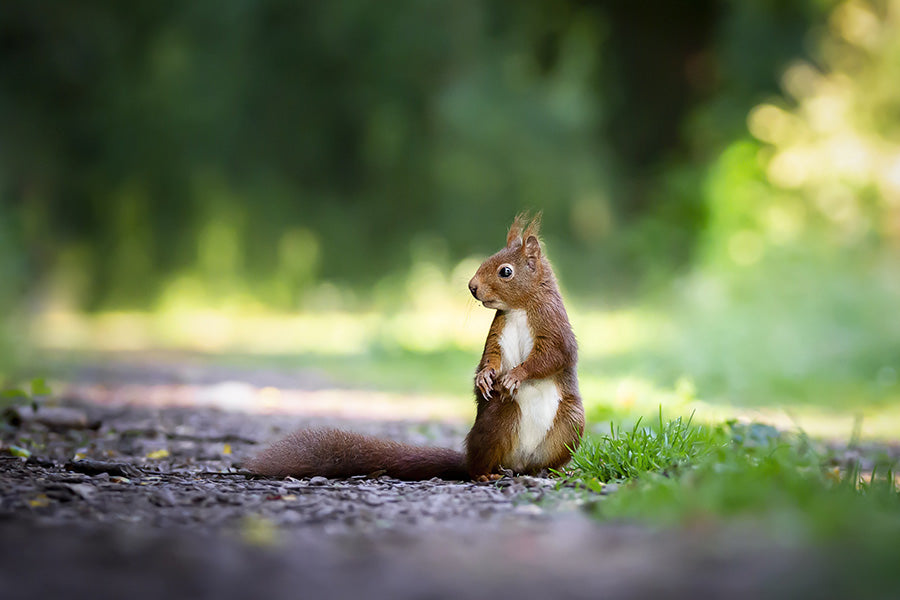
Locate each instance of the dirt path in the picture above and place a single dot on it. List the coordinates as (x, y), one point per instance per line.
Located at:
(119, 499)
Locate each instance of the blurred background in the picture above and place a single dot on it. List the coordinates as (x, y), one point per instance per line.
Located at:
(308, 187)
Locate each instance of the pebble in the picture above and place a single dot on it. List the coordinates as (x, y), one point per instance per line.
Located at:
(528, 509)
(163, 497)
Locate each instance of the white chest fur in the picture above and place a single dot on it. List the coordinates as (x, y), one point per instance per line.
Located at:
(516, 340)
(538, 398)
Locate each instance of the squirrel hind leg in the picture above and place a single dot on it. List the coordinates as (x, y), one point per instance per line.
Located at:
(563, 438)
(492, 438)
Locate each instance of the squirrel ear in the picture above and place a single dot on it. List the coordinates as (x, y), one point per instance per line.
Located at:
(532, 252)
(514, 237)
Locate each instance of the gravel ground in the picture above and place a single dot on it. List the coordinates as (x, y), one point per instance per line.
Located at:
(123, 500)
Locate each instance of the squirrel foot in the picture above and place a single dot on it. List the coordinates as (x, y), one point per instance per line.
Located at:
(488, 477)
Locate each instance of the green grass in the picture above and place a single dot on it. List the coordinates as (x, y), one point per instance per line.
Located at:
(678, 473)
(627, 454)
(783, 490)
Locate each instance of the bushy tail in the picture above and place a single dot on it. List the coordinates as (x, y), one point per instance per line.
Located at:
(336, 454)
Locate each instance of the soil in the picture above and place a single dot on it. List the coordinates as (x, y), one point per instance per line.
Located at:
(125, 496)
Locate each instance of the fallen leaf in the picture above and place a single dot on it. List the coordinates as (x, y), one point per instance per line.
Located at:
(226, 449)
(157, 454)
(39, 500)
(39, 387)
(18, 451)
(256, 530)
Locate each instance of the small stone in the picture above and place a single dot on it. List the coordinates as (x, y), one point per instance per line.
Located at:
(318, 481)
(163, 497)
(83, 490)
(53, 417)
(528, 510)
(531, 482)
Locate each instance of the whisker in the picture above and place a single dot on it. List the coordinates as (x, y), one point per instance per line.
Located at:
(470, 303)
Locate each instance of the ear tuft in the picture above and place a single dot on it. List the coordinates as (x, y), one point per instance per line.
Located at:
(514, 237)
(523, 227)
(534, 227)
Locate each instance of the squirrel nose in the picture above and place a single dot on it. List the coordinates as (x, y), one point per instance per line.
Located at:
(473, 287)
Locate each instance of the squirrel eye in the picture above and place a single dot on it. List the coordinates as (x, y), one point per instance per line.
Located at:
(505, 272)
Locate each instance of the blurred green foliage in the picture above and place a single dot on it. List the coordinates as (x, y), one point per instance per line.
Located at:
(257, 149)
(11, 289)
(731, 167)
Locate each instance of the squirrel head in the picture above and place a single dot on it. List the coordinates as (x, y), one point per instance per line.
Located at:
(511, 278)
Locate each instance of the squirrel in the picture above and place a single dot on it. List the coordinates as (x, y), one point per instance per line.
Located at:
(529, 415)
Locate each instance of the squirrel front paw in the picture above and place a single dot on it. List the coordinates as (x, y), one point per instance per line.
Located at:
(512, 379)
(484, 381)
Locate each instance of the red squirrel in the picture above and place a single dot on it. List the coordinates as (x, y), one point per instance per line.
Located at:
(529, 413)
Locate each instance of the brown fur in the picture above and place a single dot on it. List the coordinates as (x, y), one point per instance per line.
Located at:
(339, 454)
(554, 354)
(494, 436)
